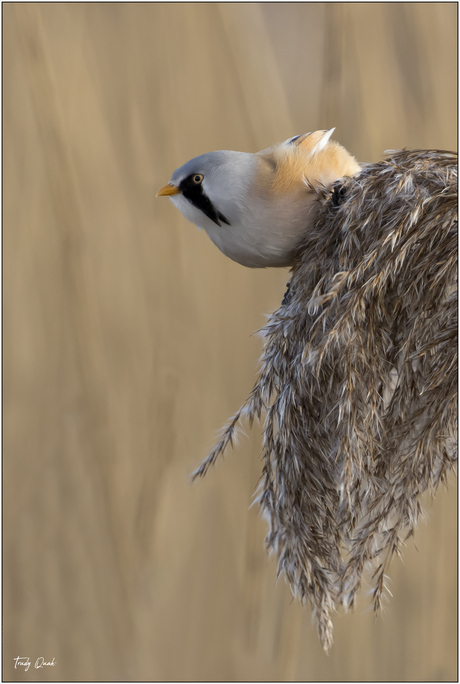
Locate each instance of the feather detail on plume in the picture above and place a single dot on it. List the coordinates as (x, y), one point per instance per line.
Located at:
(359, 380)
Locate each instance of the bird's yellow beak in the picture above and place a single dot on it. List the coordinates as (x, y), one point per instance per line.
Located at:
(168, 190)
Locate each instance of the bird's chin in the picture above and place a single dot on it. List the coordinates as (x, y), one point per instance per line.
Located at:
(188, 211)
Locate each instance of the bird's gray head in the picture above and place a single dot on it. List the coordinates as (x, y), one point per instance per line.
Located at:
(211, 189)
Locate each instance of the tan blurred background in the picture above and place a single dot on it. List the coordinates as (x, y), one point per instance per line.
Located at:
(128, 336)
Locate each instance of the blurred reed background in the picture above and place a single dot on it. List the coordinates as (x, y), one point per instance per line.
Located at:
(128, 335)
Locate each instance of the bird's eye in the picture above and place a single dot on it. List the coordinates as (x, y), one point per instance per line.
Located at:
(197, 178)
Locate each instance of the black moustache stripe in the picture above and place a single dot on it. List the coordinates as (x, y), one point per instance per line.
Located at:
(194, 193)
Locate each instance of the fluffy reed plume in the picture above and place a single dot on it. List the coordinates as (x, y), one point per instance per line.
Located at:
(359, 380)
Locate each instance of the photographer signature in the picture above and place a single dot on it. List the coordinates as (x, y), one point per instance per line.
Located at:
(24, 661)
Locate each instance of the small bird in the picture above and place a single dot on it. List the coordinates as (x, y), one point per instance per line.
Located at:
(256, 207)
